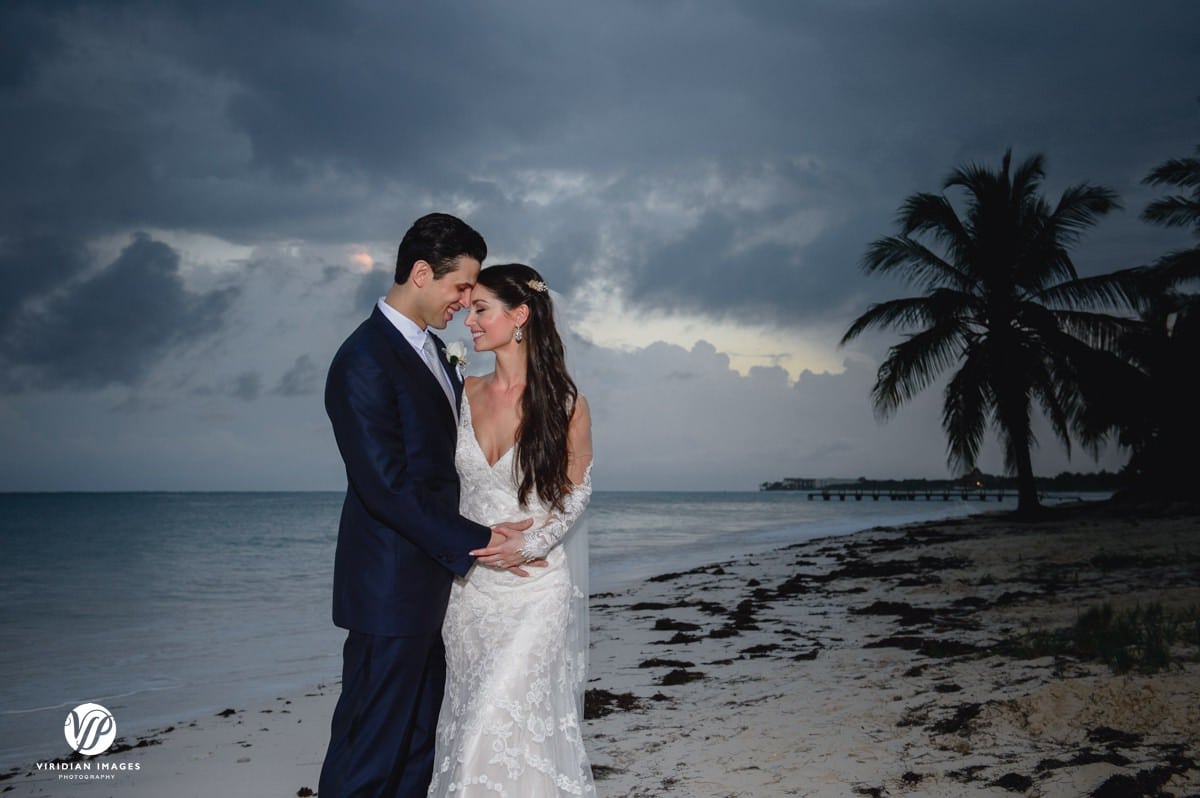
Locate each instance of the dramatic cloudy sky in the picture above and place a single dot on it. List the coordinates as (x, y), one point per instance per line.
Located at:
(200, 200)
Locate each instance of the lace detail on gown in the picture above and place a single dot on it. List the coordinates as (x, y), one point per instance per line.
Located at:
(509, 725)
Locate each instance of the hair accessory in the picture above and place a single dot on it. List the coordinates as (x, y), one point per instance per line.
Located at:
(538, 285)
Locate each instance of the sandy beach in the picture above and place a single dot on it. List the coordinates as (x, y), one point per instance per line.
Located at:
(933, 660)
(884, 663)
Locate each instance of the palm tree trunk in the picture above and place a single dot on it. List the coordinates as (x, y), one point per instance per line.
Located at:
(1027, 495)
(1013, 415)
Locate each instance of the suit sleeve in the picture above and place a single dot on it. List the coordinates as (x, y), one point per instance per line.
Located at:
(370, 436)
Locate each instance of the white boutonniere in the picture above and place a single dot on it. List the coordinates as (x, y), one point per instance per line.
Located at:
(456, 355)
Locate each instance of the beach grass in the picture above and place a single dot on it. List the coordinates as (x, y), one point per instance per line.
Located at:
(1146, 639)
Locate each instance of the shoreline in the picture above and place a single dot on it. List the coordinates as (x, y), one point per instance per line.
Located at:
(196, 646)
(181, 628)
(868, 663)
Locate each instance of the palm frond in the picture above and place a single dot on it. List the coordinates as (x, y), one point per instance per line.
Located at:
(1176, 210)
(979, 181)
(1180, 266)
(913, 364)
(920, 264)
(965, 410)
(902, 313)
(1179, 172)
(1046, 235)
(1027, 179)
(1173, 211)
(1051, 388)
(1122, 290)
(933, 215)
(1095, 330)
(1080, 207)
(1112, 398)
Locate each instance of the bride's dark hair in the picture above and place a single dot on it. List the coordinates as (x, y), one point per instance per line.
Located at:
(549, 396)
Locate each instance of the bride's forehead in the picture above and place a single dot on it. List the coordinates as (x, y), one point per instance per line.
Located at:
(481, 293)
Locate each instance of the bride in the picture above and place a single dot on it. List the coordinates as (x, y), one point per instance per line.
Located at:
(516, 648)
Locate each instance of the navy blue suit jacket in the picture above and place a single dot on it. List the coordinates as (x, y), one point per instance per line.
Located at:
(401, 539)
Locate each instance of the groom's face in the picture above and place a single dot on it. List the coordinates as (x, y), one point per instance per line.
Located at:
(446, 295)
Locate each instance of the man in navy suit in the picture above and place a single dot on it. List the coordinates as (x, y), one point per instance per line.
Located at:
(393, 400)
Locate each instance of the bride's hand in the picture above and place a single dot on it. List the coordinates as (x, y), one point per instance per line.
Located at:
(519, 570)
(503, 550)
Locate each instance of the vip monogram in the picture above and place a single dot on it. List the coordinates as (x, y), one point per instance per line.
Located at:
(90, 729)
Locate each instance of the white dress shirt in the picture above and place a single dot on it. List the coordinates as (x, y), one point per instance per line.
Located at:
(416, 338)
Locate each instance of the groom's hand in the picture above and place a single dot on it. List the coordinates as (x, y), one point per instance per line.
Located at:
(503, 550)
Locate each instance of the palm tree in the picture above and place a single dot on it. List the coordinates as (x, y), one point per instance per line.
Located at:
(1176, 210)
(1147, 400)
(1175, 269)
(1002, 300)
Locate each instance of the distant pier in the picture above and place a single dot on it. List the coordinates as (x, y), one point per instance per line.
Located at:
(972, 494)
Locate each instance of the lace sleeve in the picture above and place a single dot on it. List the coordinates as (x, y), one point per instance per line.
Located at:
(538, 542)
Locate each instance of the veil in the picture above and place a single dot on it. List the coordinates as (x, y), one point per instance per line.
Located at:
(575, 546)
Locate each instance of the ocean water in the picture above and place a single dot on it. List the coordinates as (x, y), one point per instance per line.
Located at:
(166, 607)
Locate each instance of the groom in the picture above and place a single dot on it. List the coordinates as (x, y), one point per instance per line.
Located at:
(393, 401)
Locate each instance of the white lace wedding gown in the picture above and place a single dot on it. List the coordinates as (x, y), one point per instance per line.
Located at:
(510, 720)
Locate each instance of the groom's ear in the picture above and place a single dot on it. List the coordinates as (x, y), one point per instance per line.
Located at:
(421, 273)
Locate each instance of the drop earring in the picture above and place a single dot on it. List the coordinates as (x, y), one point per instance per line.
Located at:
(517, 336)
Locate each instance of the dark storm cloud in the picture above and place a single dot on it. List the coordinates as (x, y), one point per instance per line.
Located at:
(330, 123)
(437, 91)
(711, 272)
(712, 277)
(895, 96)
(31, 266)
(112, 326)
(25, 35)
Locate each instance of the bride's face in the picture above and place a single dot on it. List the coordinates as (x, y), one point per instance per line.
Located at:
(491, 324)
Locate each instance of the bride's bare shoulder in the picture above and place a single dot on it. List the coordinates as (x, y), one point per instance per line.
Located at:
(580, 408)
(580, 424)
(473, 386)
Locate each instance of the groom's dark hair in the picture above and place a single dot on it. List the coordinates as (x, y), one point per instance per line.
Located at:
(437, 239)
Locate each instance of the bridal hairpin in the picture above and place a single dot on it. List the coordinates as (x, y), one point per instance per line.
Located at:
(538, 285)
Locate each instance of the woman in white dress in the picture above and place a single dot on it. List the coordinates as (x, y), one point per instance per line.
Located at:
(516, 646)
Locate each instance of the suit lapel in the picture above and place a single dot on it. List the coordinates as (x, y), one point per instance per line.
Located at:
(414, 363)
